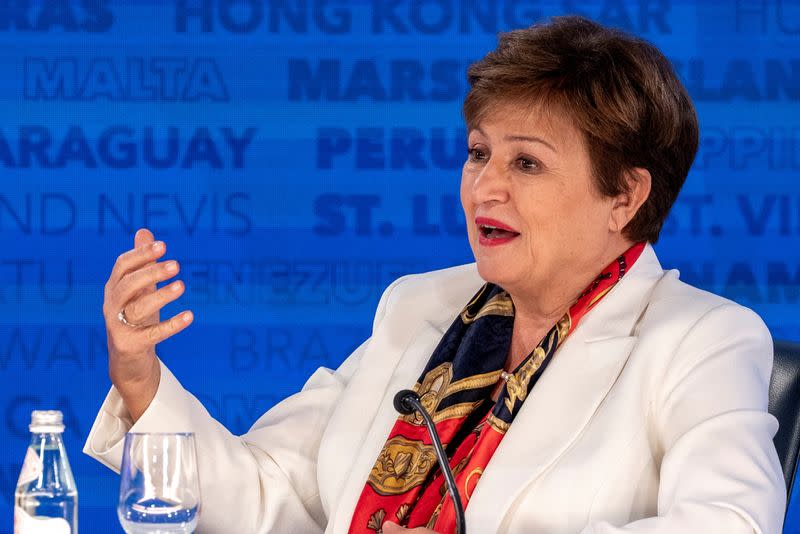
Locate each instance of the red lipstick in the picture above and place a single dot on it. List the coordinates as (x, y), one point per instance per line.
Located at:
(492, 232)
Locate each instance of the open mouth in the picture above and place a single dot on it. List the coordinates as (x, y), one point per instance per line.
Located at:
(493, 232)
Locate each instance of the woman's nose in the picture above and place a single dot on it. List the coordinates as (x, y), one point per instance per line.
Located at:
(490, 184)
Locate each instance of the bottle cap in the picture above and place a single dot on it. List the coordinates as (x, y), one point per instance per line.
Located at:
(46, 421)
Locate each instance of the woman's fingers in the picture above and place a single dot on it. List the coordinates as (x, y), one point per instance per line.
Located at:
(129, 344)
(142, 237)
(140, 310)
(159, 332)
(133, 283)
(135, 259)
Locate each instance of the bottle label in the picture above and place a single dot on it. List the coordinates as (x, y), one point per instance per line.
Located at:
(31, 468)
(26, 524)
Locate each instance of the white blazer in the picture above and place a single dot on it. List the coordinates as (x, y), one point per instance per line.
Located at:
(651, 418)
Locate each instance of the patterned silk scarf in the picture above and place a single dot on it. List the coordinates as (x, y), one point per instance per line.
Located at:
(406, 485)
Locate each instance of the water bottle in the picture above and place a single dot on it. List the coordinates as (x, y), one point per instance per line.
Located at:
(46, 500)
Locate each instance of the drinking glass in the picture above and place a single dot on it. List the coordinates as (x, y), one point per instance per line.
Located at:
(159, 487)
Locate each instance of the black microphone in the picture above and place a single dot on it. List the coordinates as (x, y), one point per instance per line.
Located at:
(407, 402)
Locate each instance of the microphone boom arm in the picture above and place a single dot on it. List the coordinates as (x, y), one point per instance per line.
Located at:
(407, 402)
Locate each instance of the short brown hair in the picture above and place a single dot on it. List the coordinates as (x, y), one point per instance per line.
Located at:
(621, 92)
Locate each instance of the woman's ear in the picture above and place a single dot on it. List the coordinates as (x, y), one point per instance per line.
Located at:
(626, 204)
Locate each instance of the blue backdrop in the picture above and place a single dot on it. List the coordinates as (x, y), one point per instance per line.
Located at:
(297, 156)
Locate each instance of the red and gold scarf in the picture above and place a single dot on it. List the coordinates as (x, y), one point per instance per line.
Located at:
(405, 484)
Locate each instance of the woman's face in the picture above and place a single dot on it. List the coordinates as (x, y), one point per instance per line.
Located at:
(528, 172)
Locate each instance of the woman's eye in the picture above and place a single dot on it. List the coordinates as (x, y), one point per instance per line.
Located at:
(476, 154)
(528, 164)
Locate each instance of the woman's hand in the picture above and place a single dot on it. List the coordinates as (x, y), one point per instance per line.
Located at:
(394, 528)
(131, 288)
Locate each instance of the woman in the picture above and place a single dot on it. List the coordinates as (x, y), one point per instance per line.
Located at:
(578, 386)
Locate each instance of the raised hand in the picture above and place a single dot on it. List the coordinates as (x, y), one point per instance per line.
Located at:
(131, 307)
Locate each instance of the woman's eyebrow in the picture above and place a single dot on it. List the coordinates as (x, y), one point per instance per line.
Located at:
(530, 138)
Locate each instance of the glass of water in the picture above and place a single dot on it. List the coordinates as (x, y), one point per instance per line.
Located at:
(159, 487)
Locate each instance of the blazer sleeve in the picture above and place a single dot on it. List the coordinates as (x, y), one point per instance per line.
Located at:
(257, 482)
(720, 471)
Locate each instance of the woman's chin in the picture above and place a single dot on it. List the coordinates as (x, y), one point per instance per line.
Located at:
(494, 271)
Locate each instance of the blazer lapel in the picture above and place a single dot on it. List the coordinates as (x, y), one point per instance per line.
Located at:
(396, 356)
(564, 399)
(414, 359)
(559, 406)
